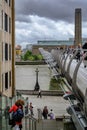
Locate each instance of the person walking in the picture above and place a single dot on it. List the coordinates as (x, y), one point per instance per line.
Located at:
(31, 109)
(39, 93)
(18, 105)
(45, 112)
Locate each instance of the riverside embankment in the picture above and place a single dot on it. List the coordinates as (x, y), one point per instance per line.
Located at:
(26, 79)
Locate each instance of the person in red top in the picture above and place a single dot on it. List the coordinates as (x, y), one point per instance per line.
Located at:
(18, 103)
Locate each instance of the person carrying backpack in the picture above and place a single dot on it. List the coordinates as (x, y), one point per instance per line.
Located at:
(17, 114)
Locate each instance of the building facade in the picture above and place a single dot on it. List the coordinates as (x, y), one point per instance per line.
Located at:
(49, 45)
(7, 48)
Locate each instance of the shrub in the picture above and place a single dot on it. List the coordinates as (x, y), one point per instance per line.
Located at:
(55, 84)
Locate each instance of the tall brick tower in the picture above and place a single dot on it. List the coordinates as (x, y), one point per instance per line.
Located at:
(78, 27)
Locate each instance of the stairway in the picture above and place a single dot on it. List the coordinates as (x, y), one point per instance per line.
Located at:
(49, 125)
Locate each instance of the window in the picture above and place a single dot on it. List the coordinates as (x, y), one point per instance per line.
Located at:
(6, 22)
(9, 78)
(2, 19)
(9, 25)
(2, 83)
(6, 80)
(9, 2)
(2, 51)
(6, 51)
(6, 0)
(9, 52)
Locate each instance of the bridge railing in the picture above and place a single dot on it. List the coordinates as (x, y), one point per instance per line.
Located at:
(74, 69)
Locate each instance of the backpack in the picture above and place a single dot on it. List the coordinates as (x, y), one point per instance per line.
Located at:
(18, 115)
(11, 121)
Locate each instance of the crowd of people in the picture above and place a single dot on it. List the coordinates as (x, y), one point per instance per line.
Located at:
(79, 51)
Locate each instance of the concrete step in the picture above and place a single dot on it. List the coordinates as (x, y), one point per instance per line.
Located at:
(48, 125)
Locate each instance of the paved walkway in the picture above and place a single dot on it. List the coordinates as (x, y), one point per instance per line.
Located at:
(24, 76)
(58, 104)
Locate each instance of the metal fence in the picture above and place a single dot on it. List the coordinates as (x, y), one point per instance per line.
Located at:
(30, 123)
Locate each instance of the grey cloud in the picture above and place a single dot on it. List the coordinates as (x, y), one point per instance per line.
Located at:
(52, 9)
(47, 19)
(40, 30)
(23, 18)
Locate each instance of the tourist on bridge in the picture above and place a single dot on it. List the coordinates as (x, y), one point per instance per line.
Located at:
(85, 51)
(79, 52)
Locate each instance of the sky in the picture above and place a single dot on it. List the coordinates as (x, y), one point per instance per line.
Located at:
(47, 20)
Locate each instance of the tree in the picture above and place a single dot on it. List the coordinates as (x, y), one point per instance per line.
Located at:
(29, 56)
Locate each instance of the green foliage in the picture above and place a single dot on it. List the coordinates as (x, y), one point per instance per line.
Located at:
(40, 57)
(29, 56)
(55, 84)
(29, 53)
(35, 57)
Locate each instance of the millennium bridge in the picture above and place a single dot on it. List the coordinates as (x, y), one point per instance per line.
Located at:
(65, 63)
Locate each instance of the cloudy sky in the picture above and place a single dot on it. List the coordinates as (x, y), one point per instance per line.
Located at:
(47, 20)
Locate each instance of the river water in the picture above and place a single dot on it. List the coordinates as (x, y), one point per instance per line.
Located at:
(26, 76)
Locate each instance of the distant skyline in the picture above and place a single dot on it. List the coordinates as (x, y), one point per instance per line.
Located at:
(47, 20)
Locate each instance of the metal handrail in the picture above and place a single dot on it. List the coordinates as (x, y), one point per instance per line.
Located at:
(30, 122)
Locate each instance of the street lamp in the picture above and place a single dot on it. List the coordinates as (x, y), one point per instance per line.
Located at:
(37, 87)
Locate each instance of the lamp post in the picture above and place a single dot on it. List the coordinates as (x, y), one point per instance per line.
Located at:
(37, 87)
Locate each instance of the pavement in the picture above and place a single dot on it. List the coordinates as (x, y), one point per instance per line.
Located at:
(24, 76)
(57, 103)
